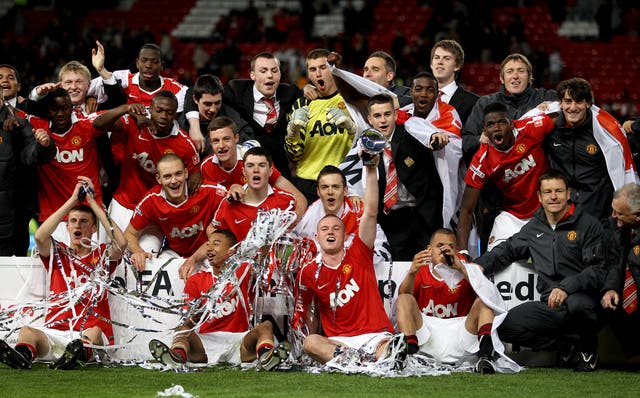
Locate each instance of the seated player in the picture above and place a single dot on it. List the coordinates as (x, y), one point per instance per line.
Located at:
(225, 336)
(441, 321)
(343, 284)
(68, 332)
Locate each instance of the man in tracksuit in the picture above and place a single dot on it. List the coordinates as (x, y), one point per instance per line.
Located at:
(565, 246)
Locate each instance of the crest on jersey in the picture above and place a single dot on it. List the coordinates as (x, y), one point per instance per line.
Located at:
(77, 140)
(520, 148)
(636, 250)
(195, 209)
(346, 269)
(342, 105)
(572, 235)
(592, 149)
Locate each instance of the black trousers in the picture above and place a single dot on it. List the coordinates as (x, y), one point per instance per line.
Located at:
(536, 325)
(406, 231)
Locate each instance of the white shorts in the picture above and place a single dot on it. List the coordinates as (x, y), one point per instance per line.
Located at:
(369, 342)
(222, 347)
(151, 238)
(58, 340)
(446, 340)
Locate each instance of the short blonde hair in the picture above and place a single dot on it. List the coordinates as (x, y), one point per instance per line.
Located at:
(518, 58)
(74, 66)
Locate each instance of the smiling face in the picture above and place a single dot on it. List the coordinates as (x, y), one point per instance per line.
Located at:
(172, 175)
(499, 129)
(332, 192)
(515, 76)
(223, 142)
(554, 197)
(424, 92)
(9, 83)
(320, 76)
(257, 171)
(444, 66)
(80, 225)
(621, 212)
(77, 84)
(59, 113)
(218, 250)
(375, 70)
(382, 117)
(330, 234)
(266, 75)
(575, 112)
(163, 113)
(149, 65)
(209, 105)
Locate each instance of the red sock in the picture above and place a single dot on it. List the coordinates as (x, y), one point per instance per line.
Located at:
(412, 343)
(27, 348)
(181, 353)
(264, 347)
(484, 330)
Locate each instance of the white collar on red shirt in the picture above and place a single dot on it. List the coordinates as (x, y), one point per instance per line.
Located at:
(74, 120)
(136, 80)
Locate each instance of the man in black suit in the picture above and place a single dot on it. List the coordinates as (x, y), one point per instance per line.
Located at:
(264, 103)
(413, 212)
(447, 58)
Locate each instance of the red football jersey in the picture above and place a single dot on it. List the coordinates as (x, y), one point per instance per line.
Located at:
(143, 150)
(184, 225)
(436, 299)
(76, 155)
(237, 216)
(69, 272)
(348, 297)
(213, 173)
(516, 171)
(230, 314)
(136, 95)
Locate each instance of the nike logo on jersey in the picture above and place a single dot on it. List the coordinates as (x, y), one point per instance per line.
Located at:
(495, 168)
(539, 235)
(238, 221)
(142, 138)
(163, 218)
(556, 144)
(320, 287)
(426, 286)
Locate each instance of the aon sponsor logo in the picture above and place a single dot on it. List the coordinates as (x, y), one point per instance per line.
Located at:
(344, 295)
(73, 156)
(225, 308)
(147, 164)
(187, 232)
(441, 310)
(325, 129)
(522, 167)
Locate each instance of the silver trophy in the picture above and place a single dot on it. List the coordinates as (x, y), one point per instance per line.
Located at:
(372, 142)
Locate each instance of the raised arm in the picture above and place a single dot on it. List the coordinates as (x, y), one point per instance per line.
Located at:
(367, 231)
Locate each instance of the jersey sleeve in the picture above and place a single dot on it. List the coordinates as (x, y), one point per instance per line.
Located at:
(478, 171)
(142, 215)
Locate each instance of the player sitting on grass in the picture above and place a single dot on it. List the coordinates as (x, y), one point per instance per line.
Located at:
(225, 336)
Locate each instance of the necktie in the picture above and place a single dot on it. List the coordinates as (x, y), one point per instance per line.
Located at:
(272, 114)
(629, 293)
(391, 190)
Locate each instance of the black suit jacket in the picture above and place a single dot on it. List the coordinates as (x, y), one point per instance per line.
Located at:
(417, 171)
(463, 100)
(238, 94)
